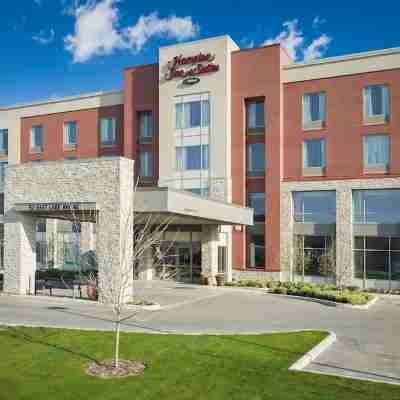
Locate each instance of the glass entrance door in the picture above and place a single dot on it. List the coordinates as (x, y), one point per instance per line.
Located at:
(188, 262)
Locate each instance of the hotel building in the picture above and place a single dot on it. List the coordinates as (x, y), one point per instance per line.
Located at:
(214, 132)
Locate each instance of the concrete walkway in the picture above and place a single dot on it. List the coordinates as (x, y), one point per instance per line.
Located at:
(368, 340)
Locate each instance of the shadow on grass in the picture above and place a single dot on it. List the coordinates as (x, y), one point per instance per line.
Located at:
(16, 333)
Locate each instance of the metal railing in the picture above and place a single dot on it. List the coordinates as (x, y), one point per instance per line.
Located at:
(211, 188)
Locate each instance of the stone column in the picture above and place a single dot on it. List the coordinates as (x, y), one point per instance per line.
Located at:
(344, 235)
(286, 250)
(87, 237)
(52, 240)
(114, 235)
(19, 253)
(209, 252)
(146, 270)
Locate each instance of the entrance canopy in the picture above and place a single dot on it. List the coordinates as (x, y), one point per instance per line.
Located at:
(186, 208)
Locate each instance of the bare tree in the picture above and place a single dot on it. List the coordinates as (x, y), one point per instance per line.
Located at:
(115, 286)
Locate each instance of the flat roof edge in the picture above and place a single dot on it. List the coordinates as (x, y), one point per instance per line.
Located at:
(343, 58)
(61, 99)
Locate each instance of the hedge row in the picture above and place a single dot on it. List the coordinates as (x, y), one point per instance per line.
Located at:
(350, 295)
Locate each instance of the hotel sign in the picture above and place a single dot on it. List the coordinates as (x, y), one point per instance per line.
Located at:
(190, 68)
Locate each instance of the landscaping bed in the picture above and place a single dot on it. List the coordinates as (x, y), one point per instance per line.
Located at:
(349, 295)
(39, 363)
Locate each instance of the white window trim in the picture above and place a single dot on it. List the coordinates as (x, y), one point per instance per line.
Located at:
(66, 144)
(378, 119)
(318, 124)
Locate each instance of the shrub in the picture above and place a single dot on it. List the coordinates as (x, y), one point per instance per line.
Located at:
(279, 290)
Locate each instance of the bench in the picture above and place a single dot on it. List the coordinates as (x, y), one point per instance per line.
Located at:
(59, 283)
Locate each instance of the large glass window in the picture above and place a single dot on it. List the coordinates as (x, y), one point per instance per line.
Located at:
(377, 258)
(145, 126)
(192, 114)
(108, 131)
(376, 101)
(70, 133)
(314, 153)
(3, 140)
(3, 166)
(255, 117)
(376, 150)
(315, 255)
(256, 240)
(37, 138)
(192, 157)
(256, 159)
(376, 206)
(146, 164)
(257, 201)
(313, 107)
(317, 207)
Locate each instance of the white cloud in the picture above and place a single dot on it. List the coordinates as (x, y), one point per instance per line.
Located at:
(317, 48)
(44, 37)
(97, 30)
(291, 38)
(317, 21)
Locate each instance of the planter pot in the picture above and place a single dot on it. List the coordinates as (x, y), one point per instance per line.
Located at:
(220, 278)
(92, 292)
(204, 280)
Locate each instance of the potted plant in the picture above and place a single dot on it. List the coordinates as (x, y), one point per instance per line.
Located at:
(220, 279)
(92, 287)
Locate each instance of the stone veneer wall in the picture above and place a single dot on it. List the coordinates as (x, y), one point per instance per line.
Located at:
(344, 215)
(106, 181)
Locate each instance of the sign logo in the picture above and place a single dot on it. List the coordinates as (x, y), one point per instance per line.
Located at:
(189, 68)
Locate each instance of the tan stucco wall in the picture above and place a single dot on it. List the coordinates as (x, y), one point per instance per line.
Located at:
(381, 60)
(218, 86)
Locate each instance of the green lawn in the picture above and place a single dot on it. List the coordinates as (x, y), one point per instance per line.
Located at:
(42, 364)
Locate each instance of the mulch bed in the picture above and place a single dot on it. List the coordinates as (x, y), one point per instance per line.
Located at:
(105, 369)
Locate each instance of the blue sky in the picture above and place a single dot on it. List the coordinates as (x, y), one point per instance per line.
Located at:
(54, 48)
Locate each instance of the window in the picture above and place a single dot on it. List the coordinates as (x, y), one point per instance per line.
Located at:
(192, 157)
(37, 138)
(376, 206)
(377, 258)
(256, 159)
(146, 164)
(108, 133)
(255, 116)
(314, 153)
(3, 166)
(192, 114)
(256, 240)
(4, 141)
(70, 134)
(376, 103)
(376, 151)
(222, 257)
(315, 255)
(145, 126)
(1, 203)
(204, 191)
(257, 201)
(316, 207)
(314, 110)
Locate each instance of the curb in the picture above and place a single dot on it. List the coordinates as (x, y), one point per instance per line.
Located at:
(310, 356)
(311, 299)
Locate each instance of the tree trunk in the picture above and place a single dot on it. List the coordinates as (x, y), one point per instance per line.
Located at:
(116, 344)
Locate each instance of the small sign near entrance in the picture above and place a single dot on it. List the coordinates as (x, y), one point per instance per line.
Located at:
(54, 207)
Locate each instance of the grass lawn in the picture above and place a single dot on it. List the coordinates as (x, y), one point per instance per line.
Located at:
(42, 364)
